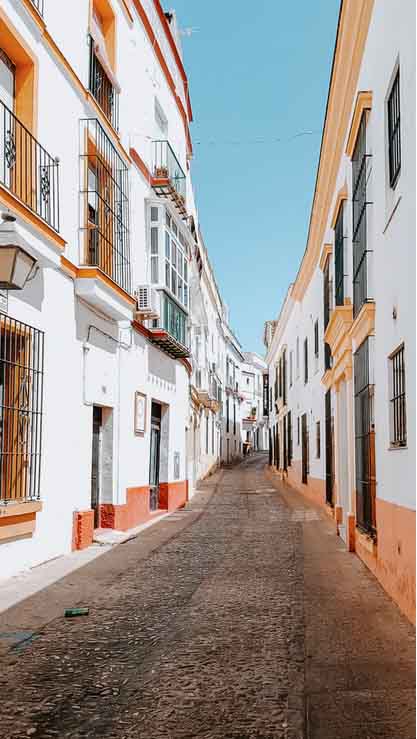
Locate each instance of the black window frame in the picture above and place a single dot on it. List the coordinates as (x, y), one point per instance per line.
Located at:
(318, 440)
(365, 482)
(398, 409)
(360, 203)
(305, 361)
(339, 258)
(316, 338)
(394, 131)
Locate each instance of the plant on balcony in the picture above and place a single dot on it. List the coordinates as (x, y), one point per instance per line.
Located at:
(161, 173)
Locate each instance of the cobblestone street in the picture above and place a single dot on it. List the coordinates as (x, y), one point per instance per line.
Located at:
(240, 616)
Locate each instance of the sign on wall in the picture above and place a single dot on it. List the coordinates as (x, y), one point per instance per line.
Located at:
(266, 394)
(140, 413)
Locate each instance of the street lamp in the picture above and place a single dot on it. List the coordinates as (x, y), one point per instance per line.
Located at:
(16, 265)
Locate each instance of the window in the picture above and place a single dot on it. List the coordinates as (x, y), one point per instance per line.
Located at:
(364, 436)
(305, 361)
(398, 418)
(394, 134)
(174, 320)
(176, 261)
(212, 433)
(102, 82)
(291, 367)
(154, 256)
(360, 203)
(207, 434)
(105, 192)
(318, 439)
(327, 293)
(227, 414)
(316, 338)
(298, 430)
(289, 430)
(234, 418)
(21, 405)
(339, 258)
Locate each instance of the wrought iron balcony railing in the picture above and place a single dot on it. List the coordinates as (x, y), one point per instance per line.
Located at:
(169, 177)
(27, 170)
(170, 332)
(39, 6)
(102, 89)
(105, 205)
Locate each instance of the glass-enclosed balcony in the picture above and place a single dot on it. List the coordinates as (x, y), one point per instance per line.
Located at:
(170, 330)
(168, 178)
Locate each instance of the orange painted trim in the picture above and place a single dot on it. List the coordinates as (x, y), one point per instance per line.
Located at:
(68, 267)
(141, 329)
(187, 365)
(15, 509)
(96, 274)
(342, 195)
(363, 102)
(35, 15)
(354, 21)
(12, 202)
(126, 7)
(171, 84)
(363, 325)
(136, 159)
(326, 252)
(177, 57)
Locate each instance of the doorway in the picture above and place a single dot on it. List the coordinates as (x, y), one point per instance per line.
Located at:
(304, 449)
(96, 463)
(329, 448)
(155, 453)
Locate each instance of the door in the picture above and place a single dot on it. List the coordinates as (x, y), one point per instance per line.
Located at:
(7, 123)
(155, 444)
(284, 443)
(329, 448)
(96, 463)
(304, 449)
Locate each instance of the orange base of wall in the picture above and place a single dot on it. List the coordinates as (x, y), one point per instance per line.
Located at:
(135, 511)
(173, 495)
(82, 529)
(315, 488)
(393, 558)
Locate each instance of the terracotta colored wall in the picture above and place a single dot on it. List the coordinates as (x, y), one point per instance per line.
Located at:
(315, 488)
(82, 529)
(128, 515)
(393, 559)
(172, 495)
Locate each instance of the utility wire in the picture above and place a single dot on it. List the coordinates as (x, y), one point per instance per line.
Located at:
(238, 142)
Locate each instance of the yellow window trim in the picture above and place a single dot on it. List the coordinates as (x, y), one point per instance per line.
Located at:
(363, 102)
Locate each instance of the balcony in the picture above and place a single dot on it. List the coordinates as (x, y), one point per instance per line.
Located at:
(170, 331)
(103, 88)
(104, 206)
(27, 170)
(168, 178)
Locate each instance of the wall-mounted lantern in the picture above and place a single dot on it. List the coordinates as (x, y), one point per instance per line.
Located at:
(16, 264)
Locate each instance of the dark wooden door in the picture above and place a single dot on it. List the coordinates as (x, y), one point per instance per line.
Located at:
(96, 463)
(304, 448)
(329, 448)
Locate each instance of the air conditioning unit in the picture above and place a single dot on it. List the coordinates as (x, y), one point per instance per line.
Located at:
(147, 302)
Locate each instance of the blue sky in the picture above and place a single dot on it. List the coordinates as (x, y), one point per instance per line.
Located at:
(258, 74)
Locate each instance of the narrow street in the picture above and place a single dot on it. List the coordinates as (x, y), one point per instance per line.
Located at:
(240, 616)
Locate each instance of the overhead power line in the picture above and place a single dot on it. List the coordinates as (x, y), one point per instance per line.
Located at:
(249, 142)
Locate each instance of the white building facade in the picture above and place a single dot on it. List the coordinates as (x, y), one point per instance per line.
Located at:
(342, 353)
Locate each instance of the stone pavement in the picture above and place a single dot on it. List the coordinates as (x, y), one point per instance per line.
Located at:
(241, 616)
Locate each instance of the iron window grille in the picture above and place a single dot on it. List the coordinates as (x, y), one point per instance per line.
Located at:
(329, 448)
(327, 293)
(318, 440)
(27, 169)
(305, 361)
(284, 377)
(102, 88)
(339, 245)
(327, 357)
(364, 437)
(21, 409)
(227, 415)
(105, 205)
(298, 430)
(316, 338)
(394, 131)
(398, 403)
(360, 175)
(289, 430)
